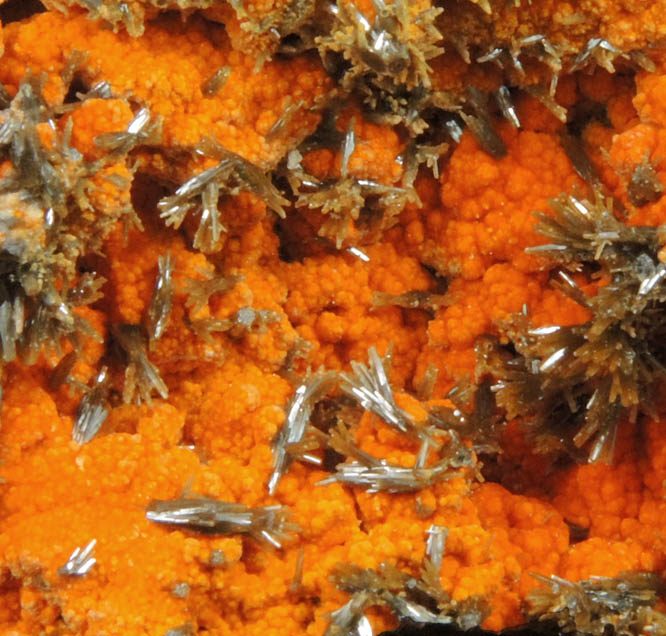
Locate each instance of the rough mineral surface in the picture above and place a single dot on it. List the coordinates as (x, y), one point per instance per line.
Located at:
(317, 317)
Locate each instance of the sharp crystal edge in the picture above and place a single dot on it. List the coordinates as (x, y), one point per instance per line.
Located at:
(377, 475)
(370, 387)
(141, 375)
(93, 410)
(596, 604)
(350, 620)
(183, 630)
(436, 544)
(387, 478)
(162, 299)
(80, 561)
(407, 597)
(266, 524)
(348, 147)
(298, 415)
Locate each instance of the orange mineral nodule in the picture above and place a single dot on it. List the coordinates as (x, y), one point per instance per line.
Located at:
(325, 318)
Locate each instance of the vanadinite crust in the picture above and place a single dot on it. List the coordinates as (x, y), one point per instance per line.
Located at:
(332, 317)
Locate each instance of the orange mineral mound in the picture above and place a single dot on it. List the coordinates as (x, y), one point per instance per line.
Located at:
(320, 318)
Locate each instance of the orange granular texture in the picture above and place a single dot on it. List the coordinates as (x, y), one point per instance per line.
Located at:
(616, 494)
(95, 117)
(234, 410)
(375, 156)
(475, 229)
(165, 69)
(43, 525)
(239, 215)
(476, 305)
(537, 117)
(641, 125)
(132, 280)
(621, 506)
(479, 307)
(89, 354)
(495, 539)
(626, 25)
(231, 416)
(486, 214)
(451, 73)
(249, 25)
(486, 211)
(124, 471)
(215, 432)
(329, 303)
